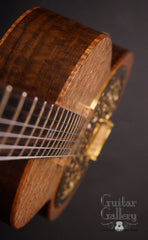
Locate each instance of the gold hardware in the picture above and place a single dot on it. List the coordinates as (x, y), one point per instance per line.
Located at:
(99, 137)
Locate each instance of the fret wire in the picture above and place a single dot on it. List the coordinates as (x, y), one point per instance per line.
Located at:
(79, 125)
(46, 147)
(76, 122)
(43, 117)
(5, 99)
(16, 114)
(28, 136)
(56, 143)
(29, 97)
(71, 122)
(76, 125)
(2, 120)
(62, 142)
(54, 133)
(44, 125)
(51, 125)
(26, 121)
(36, 124)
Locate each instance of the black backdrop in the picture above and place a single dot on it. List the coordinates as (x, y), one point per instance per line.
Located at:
(122, 166)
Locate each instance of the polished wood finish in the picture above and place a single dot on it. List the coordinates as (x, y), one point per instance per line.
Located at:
(45, 47)
(62, 62)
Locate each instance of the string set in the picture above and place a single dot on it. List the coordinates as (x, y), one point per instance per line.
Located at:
(45, 144)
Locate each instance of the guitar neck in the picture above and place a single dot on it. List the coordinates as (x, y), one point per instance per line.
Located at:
(32, 128)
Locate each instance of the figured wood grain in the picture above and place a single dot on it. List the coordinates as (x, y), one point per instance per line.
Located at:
(43, 47)
(59, 61)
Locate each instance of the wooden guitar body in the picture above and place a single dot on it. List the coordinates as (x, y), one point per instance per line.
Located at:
(64, 64)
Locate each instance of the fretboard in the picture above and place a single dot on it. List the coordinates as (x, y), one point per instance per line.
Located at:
(32, 128)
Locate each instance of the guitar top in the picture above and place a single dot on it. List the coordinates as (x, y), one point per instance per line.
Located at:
(60, 83)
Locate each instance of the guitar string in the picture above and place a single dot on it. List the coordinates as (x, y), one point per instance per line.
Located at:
(69, 137)
(42, 130)
(6, 146)
(21, 124)
(21, 136)
(13, 121)
(73, 125)
(55, 143)
(55, 127)
(9, 158)
(15, 135)
(25, 125)
(30, 147)
(3, 146)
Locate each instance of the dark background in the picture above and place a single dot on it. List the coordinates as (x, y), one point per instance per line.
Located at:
(122, 166)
